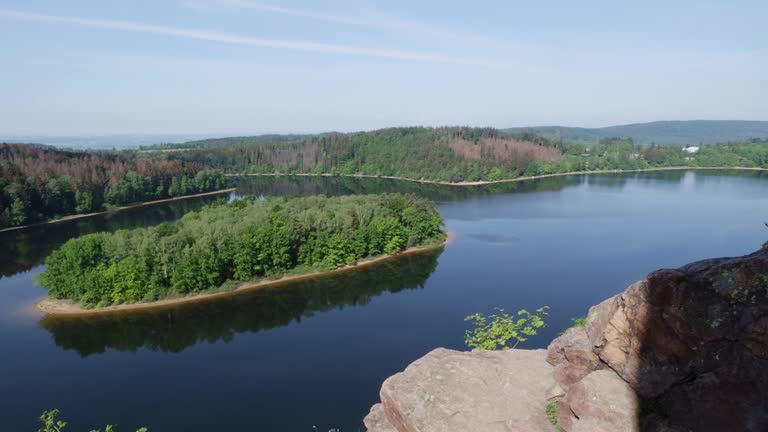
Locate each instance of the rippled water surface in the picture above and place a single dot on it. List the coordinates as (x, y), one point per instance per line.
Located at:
(314, 353)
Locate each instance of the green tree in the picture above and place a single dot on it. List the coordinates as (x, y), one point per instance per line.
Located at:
(392, 235)
(17, 214)
(495, 174)
(497, 330)
(340, 251)
(50, 423)
(84, 202)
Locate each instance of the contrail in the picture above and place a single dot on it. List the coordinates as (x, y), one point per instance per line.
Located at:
(231, 38)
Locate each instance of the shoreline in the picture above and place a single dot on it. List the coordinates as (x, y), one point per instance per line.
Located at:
(489, 182)
(117, 209)
(66, 308)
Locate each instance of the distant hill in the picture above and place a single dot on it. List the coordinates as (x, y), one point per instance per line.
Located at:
(677, 133)
(101, 142)
(227, 142)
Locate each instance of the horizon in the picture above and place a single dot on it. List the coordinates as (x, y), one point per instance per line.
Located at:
(215, 135)
(244, 67)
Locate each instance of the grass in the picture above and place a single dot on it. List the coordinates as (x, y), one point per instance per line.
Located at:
(551, 410)
(578, 322)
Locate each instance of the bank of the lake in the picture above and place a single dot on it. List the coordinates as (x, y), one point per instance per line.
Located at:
(491, 182)
(117, 209)
(316, 351)
(60, 307)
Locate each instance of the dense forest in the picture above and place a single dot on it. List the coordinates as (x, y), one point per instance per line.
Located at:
(457, 154)
(240, 241)
(448, 154)
(39, 183)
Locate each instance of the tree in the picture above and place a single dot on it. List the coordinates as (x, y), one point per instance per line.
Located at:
(495, 174)
(84, 202)
(17, 214)
(50, 423)
(497, 330)
(392, 235)
(340, 251)
(174, 189)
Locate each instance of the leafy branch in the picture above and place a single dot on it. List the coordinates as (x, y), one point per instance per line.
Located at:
(496, 331)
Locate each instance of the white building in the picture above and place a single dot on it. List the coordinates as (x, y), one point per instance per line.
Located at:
(692, 149)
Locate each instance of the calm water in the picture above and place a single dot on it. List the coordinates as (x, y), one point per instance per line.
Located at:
(315, 353)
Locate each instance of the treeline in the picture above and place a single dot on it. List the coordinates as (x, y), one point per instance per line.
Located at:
(453, 154)
(222, 142)
(448, 154)
(241, 241)
(39, 183)
(624, 154)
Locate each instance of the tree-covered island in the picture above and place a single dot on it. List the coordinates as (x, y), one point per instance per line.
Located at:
(223, 245)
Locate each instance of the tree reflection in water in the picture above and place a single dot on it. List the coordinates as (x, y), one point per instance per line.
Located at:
(177, 328)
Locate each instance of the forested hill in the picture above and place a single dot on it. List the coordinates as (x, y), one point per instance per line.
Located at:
(455, 154)
(39, 182)
(225, 142)
(678, 133)
(448, 154)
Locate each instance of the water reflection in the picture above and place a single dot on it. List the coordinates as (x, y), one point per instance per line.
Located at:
(338, 185)
(174, 330)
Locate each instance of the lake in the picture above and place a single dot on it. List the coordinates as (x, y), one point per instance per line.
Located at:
(315, 353)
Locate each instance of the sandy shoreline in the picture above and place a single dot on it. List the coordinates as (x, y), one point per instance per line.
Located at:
(57, 308)
(488, 182)
(116, 209)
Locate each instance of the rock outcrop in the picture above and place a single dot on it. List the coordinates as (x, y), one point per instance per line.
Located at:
(490, 391)
(681, 350)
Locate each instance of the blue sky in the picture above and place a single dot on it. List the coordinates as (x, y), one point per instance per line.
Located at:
(81, 67)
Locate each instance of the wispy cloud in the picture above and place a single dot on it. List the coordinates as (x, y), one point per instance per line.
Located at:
(364, 18)
(265, 7)
(231, 38)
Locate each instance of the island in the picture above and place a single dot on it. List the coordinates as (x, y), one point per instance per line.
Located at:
(227, 247)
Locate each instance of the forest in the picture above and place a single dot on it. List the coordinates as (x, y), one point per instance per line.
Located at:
(455, 154)
(244, 240)
(447, 154)
(39, 183)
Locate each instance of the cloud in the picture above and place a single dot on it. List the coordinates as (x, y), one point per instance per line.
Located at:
(231, 38)
(264, 7)
(367, 18)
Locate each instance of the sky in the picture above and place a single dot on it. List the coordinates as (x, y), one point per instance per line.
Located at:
(231, 67)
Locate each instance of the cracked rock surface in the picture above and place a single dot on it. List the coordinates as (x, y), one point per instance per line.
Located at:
(492, 391)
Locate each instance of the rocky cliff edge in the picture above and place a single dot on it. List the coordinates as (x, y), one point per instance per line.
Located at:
(680, 350)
